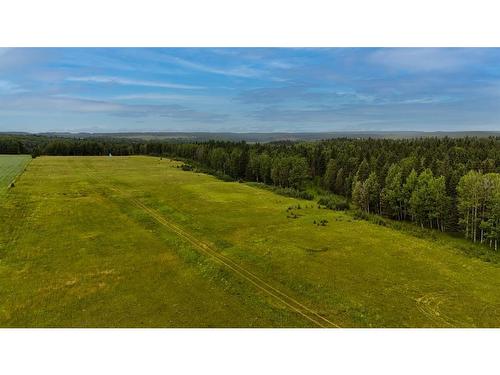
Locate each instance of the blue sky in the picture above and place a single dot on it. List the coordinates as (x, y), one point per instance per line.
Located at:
(249, 89)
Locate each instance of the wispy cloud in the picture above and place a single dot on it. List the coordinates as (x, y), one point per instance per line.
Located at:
(155, 96)
(132, 82)
(172, 111)
(20, 59)
(56, 103)
(81, 105)
(280, 64)
(9, 88)
(429, 100)
(426, 59)
(304, 93)
(125, 61)
(198, 100)
(242, 71)
(262, 56)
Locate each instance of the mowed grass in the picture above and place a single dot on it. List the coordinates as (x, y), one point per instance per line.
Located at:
(75, 252)
(10, 167)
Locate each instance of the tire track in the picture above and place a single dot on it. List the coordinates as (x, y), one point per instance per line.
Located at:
(212, 253)
(430, 305)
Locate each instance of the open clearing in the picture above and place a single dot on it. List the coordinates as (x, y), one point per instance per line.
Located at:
(137, 242)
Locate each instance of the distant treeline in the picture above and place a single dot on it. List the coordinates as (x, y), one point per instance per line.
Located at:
(450, 184)
(45, 145)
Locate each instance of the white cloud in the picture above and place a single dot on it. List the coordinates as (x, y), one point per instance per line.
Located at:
(131, 82)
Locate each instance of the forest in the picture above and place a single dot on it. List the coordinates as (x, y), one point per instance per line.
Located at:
(449, 184)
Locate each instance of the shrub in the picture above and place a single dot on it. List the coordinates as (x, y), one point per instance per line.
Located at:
(223, 177)
(293, 193)
(333, 203)
(341, 206)
(361, 215)
(322, 222)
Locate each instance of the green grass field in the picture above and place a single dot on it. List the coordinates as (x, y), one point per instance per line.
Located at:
(137, 242)
(10, 167)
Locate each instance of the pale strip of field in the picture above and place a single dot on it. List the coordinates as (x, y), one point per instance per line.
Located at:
(10, 167)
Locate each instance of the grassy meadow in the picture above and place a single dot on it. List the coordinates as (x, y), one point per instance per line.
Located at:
(137, 242)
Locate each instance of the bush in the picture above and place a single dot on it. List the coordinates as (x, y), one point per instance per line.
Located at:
(288, 192)
(294, 193)
(322, 222)
(372, 218)
(223, 177)
(380, 221)
(361, 215)
(186, 167)
(341, 206)
(333, 203)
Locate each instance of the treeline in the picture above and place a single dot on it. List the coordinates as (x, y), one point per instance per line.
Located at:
(45, 145)
(423, 198)
(425, 180)
(416, 180)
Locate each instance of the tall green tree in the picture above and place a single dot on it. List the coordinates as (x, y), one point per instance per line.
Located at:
(408, 188)
(330, 175)
(372, 189)
(469, 202)
(391, 197)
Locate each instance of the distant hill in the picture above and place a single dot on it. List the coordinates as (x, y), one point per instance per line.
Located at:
(268, 137)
